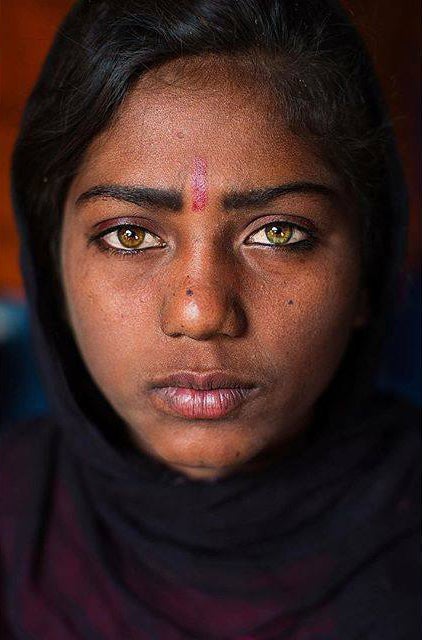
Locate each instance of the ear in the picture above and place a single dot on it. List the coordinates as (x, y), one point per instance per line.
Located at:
(362, 310)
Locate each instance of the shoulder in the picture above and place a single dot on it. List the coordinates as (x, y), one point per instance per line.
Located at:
(26, 452)
(387, 504)
(395, 407)
(395, 420)
(25, 438)
(383, 417)
(391, 466)
(380, 449)
(384, 426)
(393, 426)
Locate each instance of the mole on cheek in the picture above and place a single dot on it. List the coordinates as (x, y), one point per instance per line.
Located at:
(199, 184)
(189, 292)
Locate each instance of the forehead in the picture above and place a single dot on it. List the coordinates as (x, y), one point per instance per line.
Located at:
(174, 116)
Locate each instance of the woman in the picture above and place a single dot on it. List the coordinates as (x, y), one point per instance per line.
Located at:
(212, 215)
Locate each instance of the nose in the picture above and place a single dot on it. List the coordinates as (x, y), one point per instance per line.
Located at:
(203, 306)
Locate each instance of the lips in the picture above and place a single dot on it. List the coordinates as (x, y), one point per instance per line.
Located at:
(201, 396)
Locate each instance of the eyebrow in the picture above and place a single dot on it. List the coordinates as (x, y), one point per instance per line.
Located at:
(258, 197)
(172, 199)
(157, 198)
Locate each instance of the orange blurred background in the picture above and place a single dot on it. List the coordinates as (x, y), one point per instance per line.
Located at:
(391, 29)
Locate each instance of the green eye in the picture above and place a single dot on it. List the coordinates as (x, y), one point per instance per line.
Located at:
(131, 237)
(279, 233)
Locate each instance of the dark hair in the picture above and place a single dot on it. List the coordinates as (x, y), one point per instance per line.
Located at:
(307, 49)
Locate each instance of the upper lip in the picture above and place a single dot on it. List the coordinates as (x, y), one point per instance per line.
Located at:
(203, 381)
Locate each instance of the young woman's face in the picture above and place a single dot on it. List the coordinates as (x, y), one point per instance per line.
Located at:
(211, 271)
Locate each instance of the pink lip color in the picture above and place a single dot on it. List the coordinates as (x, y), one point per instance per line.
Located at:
(199, 184)
(199, 404)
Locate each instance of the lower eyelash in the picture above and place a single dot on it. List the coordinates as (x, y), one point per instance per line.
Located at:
(105, 248)
(303, 245)
(307, 244)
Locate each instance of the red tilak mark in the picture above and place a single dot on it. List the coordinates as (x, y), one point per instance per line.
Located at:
(199, 184)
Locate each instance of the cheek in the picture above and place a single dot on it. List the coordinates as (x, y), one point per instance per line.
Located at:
(113, 320)
(305, 321)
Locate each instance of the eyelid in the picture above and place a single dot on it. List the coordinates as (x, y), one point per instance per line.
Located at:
(306, 224)
(128, 221)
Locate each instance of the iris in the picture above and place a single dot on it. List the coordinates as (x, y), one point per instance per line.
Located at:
(279, 233)
(131, 237)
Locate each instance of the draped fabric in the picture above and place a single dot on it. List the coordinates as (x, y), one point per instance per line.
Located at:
(322, 546)
(100, 542)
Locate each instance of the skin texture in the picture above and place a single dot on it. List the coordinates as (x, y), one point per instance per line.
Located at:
(209, 300)
(199, 184)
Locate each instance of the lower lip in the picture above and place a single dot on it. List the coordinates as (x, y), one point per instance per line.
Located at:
(199, 404)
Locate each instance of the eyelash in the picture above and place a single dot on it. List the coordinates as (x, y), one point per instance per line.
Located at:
(304, 245)
(106, 248)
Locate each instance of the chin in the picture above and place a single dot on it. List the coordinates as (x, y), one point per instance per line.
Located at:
(200, 469)
(206, 452)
